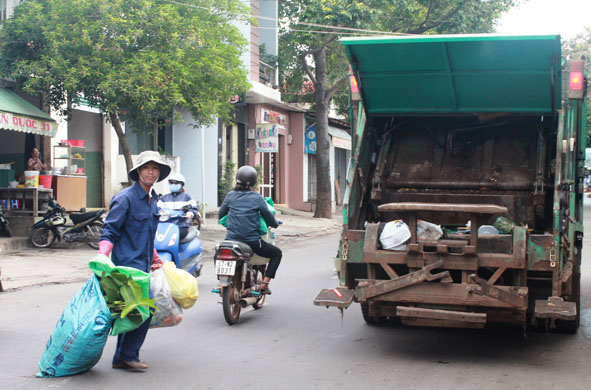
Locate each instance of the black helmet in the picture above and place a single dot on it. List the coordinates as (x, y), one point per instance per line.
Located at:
(246, 176)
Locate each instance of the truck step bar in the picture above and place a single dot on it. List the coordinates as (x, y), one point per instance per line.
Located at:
(417, 316)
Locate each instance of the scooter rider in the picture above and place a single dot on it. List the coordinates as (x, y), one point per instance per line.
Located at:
(243, 206)
(177, 199)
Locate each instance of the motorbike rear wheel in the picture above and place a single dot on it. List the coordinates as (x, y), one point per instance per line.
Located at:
(6, 230)
(230, 298)
(42, 237)
(95, 229)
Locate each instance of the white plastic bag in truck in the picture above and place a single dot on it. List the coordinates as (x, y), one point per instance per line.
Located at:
(395, 235)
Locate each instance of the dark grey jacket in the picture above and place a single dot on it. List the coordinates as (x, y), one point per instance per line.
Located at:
(243, 209)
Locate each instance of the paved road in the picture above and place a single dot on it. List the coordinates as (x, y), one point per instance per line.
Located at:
(291, 344)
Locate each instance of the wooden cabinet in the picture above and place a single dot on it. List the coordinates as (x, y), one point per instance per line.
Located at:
(70, 191)
(72, 159)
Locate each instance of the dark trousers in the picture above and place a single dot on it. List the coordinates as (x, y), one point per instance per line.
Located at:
(129, 343)
(264, 249)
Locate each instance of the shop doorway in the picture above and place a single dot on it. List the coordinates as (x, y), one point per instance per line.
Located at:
(270, 177)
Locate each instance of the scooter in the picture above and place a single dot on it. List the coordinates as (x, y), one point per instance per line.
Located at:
(185, 253)
(4, 225)
(240, 273)
(86, 228)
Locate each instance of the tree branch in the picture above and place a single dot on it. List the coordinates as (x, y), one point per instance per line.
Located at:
(307, 68)
(425, 27)
(335, 87)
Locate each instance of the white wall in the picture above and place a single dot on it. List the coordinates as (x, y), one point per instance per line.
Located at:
(187, 145)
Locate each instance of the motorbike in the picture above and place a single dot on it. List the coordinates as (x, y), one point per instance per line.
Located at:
(240, 273)
(186, 252)
(86, 227)
(4, 225)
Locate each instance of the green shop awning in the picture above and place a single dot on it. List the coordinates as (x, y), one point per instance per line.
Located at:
(457, 73)
(18, 114)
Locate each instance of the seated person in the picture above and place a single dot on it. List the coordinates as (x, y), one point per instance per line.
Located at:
(177, 199)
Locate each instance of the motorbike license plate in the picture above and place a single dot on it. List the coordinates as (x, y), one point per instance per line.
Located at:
(223, 267)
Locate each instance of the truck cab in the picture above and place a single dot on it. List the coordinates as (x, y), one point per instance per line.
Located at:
(465, 131)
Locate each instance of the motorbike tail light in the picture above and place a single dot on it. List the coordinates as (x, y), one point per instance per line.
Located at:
(226, 254)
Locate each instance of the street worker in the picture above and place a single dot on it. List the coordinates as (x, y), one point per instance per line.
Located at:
(128, 235)
(179, 199)
(244, 206)
(34, 163)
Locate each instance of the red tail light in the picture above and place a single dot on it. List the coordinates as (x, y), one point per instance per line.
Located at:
(226, 254)
(576, 84)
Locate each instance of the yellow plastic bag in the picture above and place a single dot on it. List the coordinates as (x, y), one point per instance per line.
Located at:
(182, 285)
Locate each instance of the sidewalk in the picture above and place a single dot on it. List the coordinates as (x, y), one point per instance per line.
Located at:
(23, 266)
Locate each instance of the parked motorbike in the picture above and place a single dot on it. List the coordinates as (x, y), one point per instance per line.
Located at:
(4, 225)
(240, 273)
(186, 252)
(86, 227)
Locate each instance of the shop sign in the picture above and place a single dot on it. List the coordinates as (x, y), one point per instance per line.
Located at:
(341, 143)
(267, 138)
(269, 116)
(310, 141)
(27, 124)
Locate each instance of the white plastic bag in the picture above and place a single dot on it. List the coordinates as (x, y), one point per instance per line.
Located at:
(428, 231)
(170, 312)
(395, 235)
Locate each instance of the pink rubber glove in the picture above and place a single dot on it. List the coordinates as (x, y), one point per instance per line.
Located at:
(105, 247)
(156, 261)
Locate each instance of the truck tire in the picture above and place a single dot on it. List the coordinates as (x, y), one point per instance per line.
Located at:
(571, 327)
(369, 319)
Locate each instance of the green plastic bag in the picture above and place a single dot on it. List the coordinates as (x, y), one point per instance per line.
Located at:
(102, 263)
(264, 229)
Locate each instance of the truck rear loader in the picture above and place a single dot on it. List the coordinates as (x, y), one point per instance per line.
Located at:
(465, 131)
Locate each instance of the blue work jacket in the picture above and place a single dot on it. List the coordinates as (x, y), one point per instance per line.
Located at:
(244, 209)
(131, 227)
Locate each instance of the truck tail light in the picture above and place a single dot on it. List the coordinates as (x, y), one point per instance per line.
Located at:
(576, 83)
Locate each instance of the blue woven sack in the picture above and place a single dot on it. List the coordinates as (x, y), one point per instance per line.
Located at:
(80, 334)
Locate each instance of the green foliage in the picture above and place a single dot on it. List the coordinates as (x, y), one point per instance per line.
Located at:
(228, 180)
(146, 57)
(124, 295)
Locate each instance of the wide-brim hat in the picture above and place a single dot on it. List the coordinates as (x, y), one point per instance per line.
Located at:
(144, 158)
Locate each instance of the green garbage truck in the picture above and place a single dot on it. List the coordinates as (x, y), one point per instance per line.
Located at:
(473, 147)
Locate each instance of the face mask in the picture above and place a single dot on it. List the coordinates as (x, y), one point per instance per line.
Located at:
(174, 187)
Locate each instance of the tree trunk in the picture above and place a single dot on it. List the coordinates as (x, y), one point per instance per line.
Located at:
(122, 139)
(323, 185)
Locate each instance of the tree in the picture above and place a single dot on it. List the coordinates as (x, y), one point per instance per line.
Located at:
(148, 58)
(578, 48)
(310, 53)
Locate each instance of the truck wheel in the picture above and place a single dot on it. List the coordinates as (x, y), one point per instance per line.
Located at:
(571, 327)
(369, 319)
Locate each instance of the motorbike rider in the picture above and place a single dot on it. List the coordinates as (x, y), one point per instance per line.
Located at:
(177, 199)
(243, 206)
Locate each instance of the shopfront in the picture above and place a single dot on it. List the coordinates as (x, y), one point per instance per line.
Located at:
(23, 127)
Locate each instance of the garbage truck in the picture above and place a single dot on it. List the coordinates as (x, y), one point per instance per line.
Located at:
(474, 145)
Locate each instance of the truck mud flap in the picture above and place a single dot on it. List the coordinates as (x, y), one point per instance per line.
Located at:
(338, 297)
(416, 316)
(556, 308)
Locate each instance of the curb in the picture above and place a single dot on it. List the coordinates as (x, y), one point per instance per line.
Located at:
(7, 244)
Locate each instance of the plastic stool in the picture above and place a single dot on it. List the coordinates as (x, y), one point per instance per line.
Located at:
(4, 203)
(14, 204)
